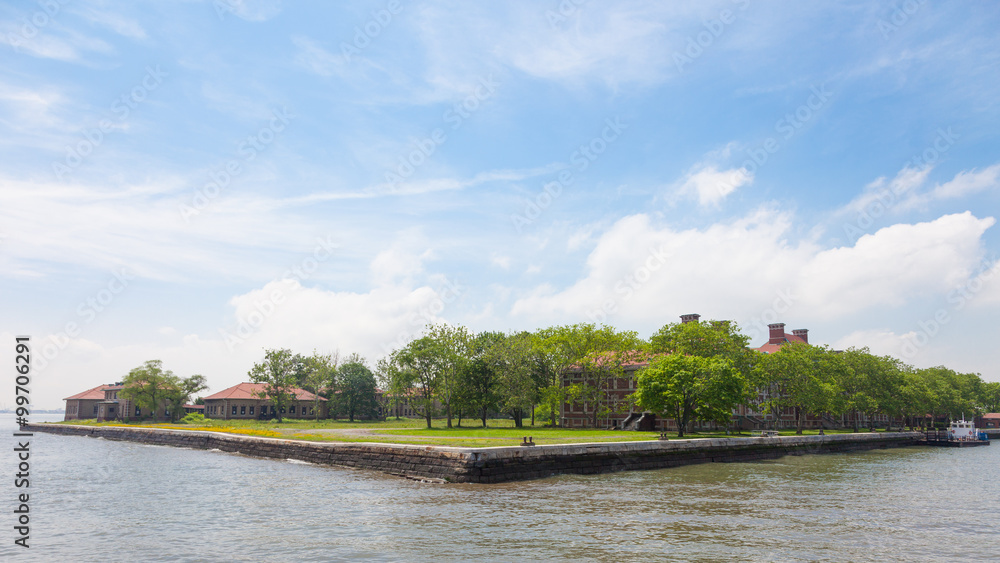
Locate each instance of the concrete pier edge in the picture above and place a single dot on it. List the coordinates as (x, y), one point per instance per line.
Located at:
(496, 464)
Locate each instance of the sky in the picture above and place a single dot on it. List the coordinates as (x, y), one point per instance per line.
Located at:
(196, 182)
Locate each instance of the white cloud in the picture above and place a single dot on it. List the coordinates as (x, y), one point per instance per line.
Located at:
(903, 192)
(641, 273)
(712, 186)
(968, 182)
(893, 266)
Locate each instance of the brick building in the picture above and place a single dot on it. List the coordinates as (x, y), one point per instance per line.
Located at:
(745, 417)
(84, 405)
(103, 403)
(243, 401)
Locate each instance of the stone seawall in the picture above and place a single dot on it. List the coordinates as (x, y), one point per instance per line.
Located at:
(495, 465)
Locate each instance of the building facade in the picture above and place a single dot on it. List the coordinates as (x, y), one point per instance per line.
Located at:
(244, 401)
(620, 412)
(84, 405)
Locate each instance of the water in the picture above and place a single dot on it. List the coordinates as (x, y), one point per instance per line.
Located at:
(97, 500)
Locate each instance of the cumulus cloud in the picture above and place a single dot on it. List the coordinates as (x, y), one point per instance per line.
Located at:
(641, 273)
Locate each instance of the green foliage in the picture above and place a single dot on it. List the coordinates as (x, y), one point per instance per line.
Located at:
(800, 377)
(193, 418)
(598, 355)
(686, 388)
(355, 385)
(278, 374)
(415, 370)
(153, 389)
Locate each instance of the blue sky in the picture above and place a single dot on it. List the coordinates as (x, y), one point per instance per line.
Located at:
(196, 182)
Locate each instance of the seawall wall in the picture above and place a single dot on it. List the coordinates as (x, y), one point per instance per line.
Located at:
(499, 464)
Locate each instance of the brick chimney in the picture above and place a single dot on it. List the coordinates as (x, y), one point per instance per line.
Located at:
(777, 333)
(802, 333)
(692, 318)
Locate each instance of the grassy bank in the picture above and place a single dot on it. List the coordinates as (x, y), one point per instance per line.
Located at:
(500, 432)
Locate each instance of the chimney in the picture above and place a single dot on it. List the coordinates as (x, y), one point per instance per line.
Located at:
(802, 333)
(692, 318)
(777, 333)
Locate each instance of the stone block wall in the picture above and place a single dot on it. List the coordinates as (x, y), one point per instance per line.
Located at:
(496, 465)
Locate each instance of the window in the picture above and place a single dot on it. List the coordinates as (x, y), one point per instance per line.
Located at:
(312, 410)
(234, 409)
(95, 408)
(138, 411)
(251, 410)
(291, 409)
(243, 409)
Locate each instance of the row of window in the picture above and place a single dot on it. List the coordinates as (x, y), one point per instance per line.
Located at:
(244, 410)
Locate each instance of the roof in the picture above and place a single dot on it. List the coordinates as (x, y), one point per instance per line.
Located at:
(992, 415)
(250, 390)
(96, 393)
(193, 406)
(789, 339)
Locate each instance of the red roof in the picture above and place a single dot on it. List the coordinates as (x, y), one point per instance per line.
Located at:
(789, 339)
(95, 393)
(248, 390)
(992, 415)
(193, 406)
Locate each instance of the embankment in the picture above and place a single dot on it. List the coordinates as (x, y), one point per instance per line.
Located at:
(495, 465)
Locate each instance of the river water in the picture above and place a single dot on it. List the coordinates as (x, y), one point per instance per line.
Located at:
(98, 500)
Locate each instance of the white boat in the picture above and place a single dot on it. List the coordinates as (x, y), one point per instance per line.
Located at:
(962, 430)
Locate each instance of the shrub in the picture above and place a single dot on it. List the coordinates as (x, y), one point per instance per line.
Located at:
(193, 418)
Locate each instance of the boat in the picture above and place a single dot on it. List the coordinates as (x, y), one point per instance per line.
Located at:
(960, 433)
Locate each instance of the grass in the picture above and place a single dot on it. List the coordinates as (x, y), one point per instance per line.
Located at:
(500, 432)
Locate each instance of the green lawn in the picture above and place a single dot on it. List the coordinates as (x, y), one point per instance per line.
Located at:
(500, 432)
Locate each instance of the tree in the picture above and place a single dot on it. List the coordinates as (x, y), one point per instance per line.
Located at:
(479, 379)
(596, 356)
(799, 377)
(277, 373)
(148, 386)
(686, 388)
(989, 397)
(452, 343)
(392, 391)
(151, 388)
(516, 384)
(317, 374)
(706, 339)
(356, 389)
(415, 369)
(180, 391)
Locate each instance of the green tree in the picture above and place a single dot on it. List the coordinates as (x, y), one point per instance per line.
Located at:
(180, 391)
(452, 347)
(479, 380)
(416, 368)
(594, 357)
(989, 397)
(799, 377)
(392, 393)
(516, 382)
(356, 389)
(706, 339)
(148, 386)
(277, 373)
(317, 374)
(686, 388)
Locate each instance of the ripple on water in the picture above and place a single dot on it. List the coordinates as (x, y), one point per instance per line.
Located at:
(905, 504)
